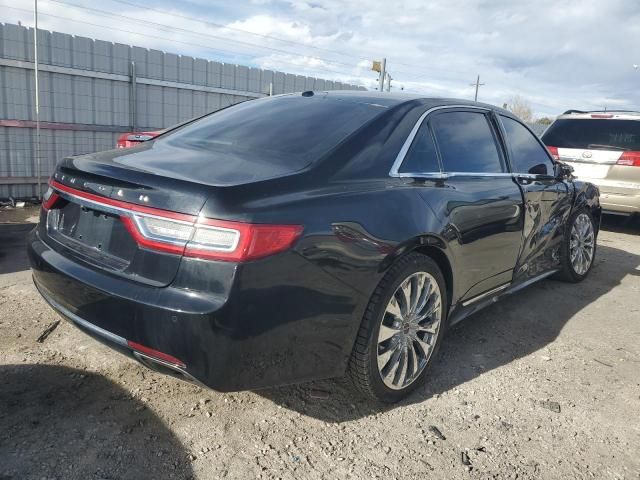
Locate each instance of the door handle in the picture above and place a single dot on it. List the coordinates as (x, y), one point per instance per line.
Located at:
(524, 179)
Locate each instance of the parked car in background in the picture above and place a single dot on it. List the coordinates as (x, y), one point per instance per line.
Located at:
(603, 148)
(132, 139)
(302, 236)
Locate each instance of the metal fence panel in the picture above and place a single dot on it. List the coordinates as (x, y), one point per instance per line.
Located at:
(87, 96)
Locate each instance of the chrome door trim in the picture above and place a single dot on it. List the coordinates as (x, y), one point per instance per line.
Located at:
(414, 131)
(531, 280)
(477, 298)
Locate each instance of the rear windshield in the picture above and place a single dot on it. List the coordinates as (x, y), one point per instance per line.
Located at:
(287, 133)
(594, 134)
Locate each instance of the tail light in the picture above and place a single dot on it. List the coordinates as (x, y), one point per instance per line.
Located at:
(554, 152)
(631, 159)
(234, 241)
(198, 237)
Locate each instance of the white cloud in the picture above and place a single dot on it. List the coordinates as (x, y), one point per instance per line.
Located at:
(559, 54)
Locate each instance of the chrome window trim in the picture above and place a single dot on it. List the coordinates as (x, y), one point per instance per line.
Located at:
(445, 175)
(414, 131)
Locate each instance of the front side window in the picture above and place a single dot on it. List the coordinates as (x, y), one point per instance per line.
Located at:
(466, 143)
(527, 155)
(422, 156)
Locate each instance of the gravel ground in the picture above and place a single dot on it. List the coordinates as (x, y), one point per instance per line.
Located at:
(544, 384)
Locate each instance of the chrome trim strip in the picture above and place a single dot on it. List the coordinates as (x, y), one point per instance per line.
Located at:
(533, 176)
(91, 203)
(414, 131)
(78, 320)
(520, 286)
(445, 175)
(183, 374)
(113, 209)
(142, 228)
(477, 298)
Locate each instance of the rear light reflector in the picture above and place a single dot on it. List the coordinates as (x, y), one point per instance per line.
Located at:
(601, 115)
(554, 152)
(198, 237)
(630, 159)
(165, 357)
(49, 199)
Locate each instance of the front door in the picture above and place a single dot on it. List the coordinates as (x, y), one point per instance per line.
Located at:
(547, 201)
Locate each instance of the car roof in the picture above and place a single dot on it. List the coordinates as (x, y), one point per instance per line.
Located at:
(391, 99)
(601, 114)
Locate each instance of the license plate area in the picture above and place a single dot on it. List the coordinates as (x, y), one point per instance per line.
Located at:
(97, 235)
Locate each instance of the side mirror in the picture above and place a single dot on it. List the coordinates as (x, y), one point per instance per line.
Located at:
(563, 171)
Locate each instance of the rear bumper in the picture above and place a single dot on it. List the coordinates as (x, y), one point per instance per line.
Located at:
(284, 321)
(114, 341)
(617, 203)
(618, 197)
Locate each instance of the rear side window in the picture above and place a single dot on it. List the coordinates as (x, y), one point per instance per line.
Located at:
(421, 157)
(466, 143)
(593, 133)
(284, 133)
(527, 155)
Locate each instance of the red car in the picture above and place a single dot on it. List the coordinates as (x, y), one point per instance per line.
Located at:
(131, 139)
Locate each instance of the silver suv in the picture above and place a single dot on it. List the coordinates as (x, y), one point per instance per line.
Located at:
(603, 148)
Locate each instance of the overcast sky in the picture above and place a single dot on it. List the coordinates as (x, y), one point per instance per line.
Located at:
(558, 54)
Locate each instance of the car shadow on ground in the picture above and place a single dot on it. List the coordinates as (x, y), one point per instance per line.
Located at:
(58, 422)
(13, 247)
(621, 224)
(517, 326)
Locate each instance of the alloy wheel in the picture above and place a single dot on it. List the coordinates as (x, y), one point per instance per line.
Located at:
(581, 244)
(409, 329)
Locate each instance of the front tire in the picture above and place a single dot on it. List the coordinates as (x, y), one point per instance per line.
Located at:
(401, 330)
(578, 249)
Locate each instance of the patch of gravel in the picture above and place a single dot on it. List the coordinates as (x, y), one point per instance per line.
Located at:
(543, 384)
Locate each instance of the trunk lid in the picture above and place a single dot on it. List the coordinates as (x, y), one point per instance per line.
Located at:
(88, 222)
(589, 163)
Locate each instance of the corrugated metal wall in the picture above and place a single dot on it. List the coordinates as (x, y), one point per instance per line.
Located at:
(86, 96)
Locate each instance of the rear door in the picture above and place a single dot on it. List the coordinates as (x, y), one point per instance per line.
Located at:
(480, 200)
(547, 201)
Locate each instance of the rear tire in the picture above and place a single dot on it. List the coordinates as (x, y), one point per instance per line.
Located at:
(401, 331)
(578, 250)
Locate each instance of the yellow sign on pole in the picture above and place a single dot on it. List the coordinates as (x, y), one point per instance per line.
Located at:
(376, 66)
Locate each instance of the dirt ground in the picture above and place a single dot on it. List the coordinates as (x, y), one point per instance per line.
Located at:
(545, 384)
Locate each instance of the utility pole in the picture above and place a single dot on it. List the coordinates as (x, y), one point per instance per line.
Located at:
(35, 70)
(380, 66)
(383, 72)
(477, 85)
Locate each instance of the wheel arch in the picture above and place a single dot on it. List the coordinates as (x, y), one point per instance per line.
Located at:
(431, 246)
(588, 198)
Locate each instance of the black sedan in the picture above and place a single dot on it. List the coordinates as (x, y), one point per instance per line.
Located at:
(309, 235)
